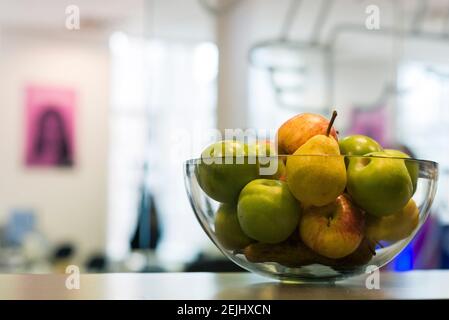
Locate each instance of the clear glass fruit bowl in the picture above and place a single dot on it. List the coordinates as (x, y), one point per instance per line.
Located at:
(305, 218)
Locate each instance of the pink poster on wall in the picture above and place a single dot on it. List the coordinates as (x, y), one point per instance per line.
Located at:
(49, 127)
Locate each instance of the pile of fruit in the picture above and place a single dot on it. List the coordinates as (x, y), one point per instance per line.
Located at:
(324, 204)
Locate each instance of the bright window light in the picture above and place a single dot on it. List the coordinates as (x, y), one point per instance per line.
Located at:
(118, 42)
(205, 62)
(162, 93)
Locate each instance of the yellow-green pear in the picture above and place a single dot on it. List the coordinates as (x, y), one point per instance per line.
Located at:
(316, 173)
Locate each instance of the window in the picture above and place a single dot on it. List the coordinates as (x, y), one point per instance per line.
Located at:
(163, 99)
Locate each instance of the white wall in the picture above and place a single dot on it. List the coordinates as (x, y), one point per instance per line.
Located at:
(70, 204)
(364, 62)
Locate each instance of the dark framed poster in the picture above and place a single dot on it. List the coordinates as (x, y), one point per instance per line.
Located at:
(50, 127)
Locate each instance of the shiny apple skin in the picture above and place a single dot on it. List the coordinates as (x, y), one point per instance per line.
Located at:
(380, 185)
(267, 211)
(222, 181)
(333, 231)
(296, 131)
(358, 145)
(412, 166)
(228, 230)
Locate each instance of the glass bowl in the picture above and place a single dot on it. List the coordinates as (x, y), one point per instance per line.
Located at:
(214, 187)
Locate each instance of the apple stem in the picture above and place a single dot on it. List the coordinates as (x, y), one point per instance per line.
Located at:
(331, 122)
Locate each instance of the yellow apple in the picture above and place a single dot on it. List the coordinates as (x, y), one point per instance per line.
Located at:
(394, 227)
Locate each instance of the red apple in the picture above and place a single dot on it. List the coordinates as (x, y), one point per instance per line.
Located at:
(296, 131)
(333, 231)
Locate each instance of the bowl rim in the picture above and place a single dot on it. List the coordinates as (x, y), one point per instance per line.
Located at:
(193, 161)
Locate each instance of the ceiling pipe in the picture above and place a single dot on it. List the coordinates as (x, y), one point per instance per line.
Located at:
(292, 11)
(320, 20)
(419, 15)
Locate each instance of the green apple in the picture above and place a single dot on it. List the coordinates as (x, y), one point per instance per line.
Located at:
(272, 168)
(267, 211)
(281, 170)
(412, 165)
(333, 231)
(225, 169)
(270, 165)
(394, 227)
(263, 148)
(379, 184)
(358, 145)
(228, 230)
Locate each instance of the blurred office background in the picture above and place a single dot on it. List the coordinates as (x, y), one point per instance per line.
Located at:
(133, 90)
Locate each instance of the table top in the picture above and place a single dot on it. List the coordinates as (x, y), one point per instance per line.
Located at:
(204, 286)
